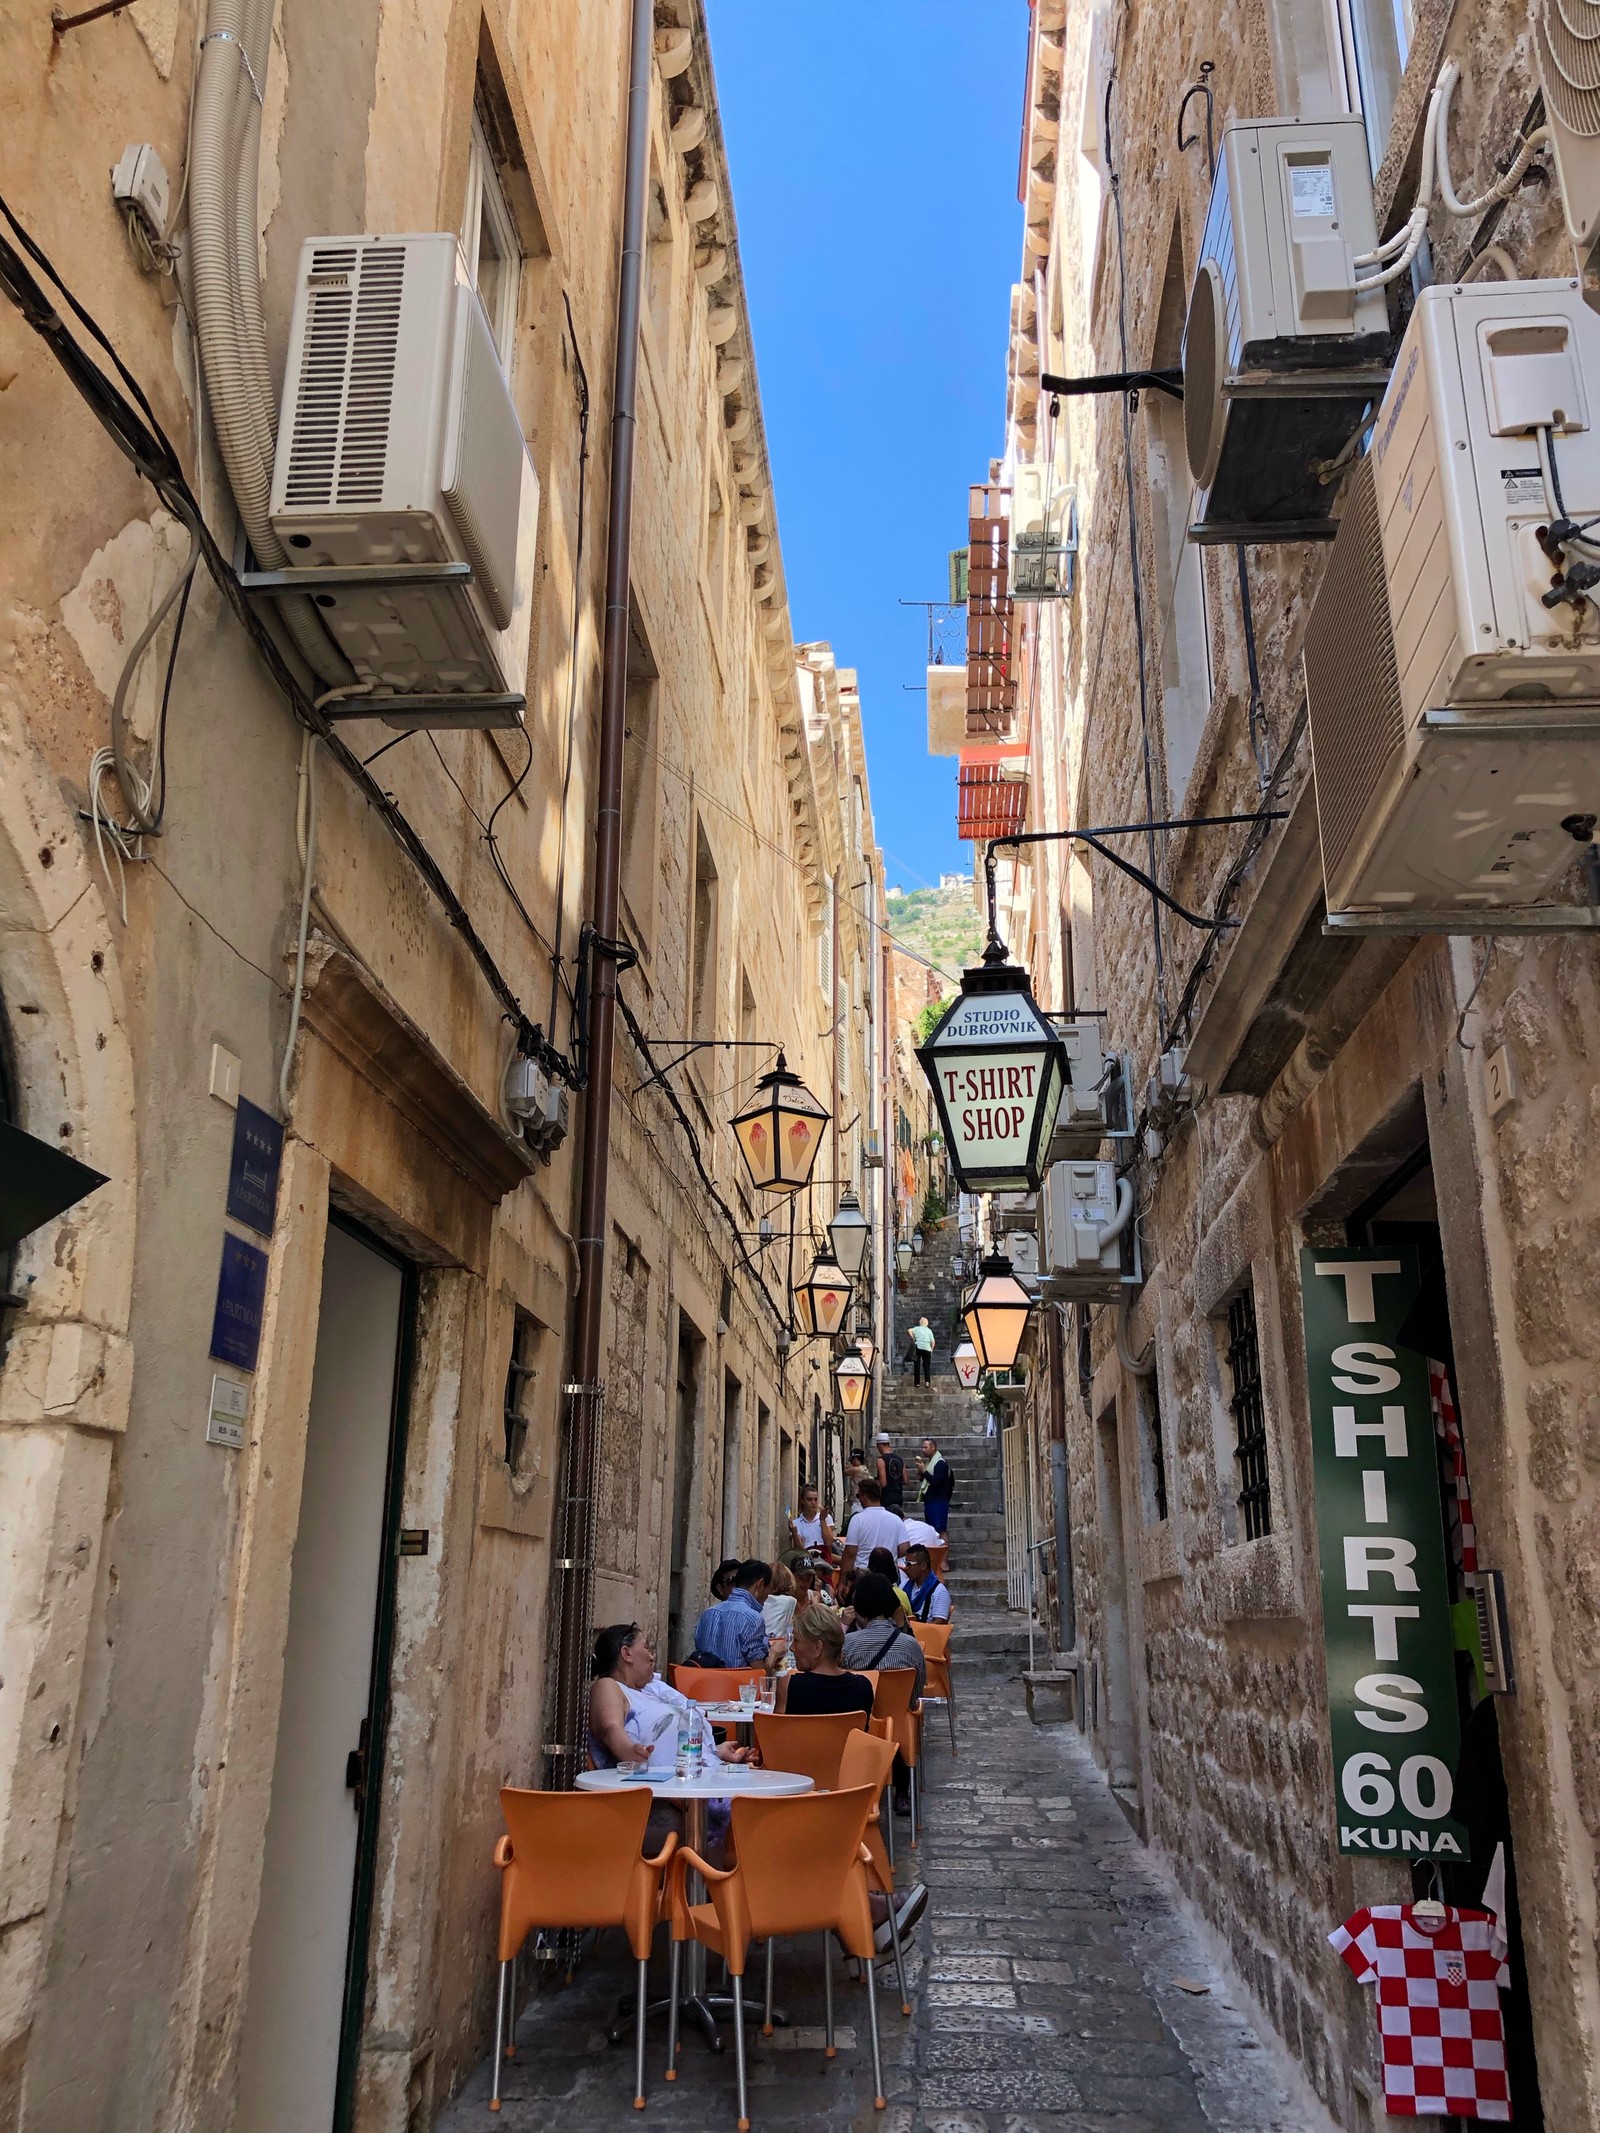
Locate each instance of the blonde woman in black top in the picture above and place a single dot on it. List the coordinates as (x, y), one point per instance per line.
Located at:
(819, 1683)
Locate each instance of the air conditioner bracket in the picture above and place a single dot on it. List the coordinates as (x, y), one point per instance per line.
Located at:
(1348, 384)
(1534, 918)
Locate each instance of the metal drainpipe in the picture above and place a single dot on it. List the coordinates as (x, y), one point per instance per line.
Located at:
(574, 1566)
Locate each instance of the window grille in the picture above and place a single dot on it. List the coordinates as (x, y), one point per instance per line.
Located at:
(1150, 1404)
(1249, 1416)
(518, 1376)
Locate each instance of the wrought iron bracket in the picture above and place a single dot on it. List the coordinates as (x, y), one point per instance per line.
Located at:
(1114, 381)
(1093, 838)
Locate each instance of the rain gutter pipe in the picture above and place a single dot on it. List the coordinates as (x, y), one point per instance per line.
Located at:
(575, 1563)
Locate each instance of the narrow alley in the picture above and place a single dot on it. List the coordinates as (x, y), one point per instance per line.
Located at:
(1054, 1983)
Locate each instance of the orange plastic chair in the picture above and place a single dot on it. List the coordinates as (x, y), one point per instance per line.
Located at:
(867, 1760)
(573, 1859)
(897, 1686)
(714, 1684)
(934, 1637)
(802, 1868)
(938, 1554)
(811, 1743)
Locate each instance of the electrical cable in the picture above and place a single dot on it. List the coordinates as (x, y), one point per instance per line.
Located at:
(140, 792)
(636, 1031)
(151, 452)
(305, 811)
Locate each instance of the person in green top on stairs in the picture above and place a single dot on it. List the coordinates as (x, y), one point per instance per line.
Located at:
(922, 1360)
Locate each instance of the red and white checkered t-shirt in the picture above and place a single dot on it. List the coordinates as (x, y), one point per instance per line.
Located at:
(1444, 2052)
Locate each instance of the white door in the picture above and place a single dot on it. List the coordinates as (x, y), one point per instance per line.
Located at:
(289, 2059)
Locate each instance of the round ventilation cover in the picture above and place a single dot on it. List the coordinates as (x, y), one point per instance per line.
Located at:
(1204, 358)
(1567, 33)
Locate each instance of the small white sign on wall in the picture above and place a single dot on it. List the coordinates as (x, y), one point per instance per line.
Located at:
(230, 1406)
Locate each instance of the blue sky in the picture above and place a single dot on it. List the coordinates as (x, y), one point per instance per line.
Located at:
(873, 146)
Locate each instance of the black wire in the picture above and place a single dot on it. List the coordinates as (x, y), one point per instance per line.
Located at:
(153, 454)
(1138, 588)
(159, 780)
(384, 750)
(658, 1081)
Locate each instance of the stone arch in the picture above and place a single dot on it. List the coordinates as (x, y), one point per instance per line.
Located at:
(66, 1374)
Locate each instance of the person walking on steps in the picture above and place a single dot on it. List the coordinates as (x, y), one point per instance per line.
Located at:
(891, 1475)
(937, 1487)
(922, 1360)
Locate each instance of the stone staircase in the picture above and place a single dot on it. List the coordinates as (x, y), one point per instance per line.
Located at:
(989, 1636)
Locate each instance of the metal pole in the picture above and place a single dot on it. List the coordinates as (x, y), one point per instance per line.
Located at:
(583, 1390)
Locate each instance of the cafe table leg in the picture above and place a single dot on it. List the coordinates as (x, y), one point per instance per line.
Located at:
(696, 1999)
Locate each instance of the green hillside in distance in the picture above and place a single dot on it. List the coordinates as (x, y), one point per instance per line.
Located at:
(942, 924)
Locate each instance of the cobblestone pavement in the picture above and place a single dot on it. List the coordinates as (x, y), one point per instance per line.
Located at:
(1044, 1979)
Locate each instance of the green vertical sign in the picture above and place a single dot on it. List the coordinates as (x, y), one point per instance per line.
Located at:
(1385, 1600)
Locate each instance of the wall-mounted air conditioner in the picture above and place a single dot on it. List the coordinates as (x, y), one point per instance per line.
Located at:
(1566, 38)
(1452, 657)
(1044, 534)
(1094, 1099)
(1282, 354)
(400, 451)
(1013, 1211)
(1085, 1218)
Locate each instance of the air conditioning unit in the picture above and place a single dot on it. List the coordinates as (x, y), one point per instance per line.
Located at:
(1013, 1211)
(1085, 1213)
(1566, 37)
(1452, 657)
(400, 450)
(1092, 1099)
(1022, 1249)
(1282, 355)
(1044, 535)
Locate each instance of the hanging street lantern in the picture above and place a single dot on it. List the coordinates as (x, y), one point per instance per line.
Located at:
(916, 1242)
(781, 1132)
(958, 1266)
(902, 1258)
(967, 1367)
(997, 1069)
(850, 1232)
(997, 1314)
(866, 1348)
(851, 1378)
(821, 1300)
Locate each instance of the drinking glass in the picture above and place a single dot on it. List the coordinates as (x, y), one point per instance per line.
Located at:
(748, 1692)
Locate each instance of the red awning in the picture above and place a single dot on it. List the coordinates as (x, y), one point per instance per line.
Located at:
(988, 803)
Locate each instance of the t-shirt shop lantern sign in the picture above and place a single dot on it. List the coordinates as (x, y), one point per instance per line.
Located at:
(997, 1069)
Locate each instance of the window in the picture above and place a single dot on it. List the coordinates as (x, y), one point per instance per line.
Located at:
(1180, 579)
(1377, 40)
(640, 785)
(522, 1386)
(489, 239)
(703, 941)
(1248, 1408)
(1155, 1451)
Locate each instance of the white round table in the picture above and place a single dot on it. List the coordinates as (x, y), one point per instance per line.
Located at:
(718, 1781)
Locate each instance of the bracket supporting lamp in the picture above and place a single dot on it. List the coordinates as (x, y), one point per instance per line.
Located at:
(997, 1314)
(850, 1233)
(780, 1133)
(902, 1258)
(851, 1380)
(822, 1299)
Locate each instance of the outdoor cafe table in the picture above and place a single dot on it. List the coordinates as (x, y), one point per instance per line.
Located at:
(718, 1781)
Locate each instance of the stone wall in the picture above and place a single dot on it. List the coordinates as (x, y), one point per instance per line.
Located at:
(1203, 1675)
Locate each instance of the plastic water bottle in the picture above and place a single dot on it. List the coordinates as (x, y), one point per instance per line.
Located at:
(691, 1755)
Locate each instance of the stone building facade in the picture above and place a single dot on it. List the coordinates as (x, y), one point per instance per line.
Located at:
(1340, 1092)
(166, 1683)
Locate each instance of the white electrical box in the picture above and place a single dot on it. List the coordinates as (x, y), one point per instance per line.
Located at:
(399, 443)
(1078, 1203)
(1452, 656)
(1274, 317)
(139, 181)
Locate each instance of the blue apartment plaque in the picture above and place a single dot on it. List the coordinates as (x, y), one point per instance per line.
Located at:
(253, 1169)
(241, 1298)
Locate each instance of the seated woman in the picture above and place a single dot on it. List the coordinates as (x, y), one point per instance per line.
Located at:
(819, 1683)
(881, 1563)
(878, 1641)
(631, 1708)
(777, 1612)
